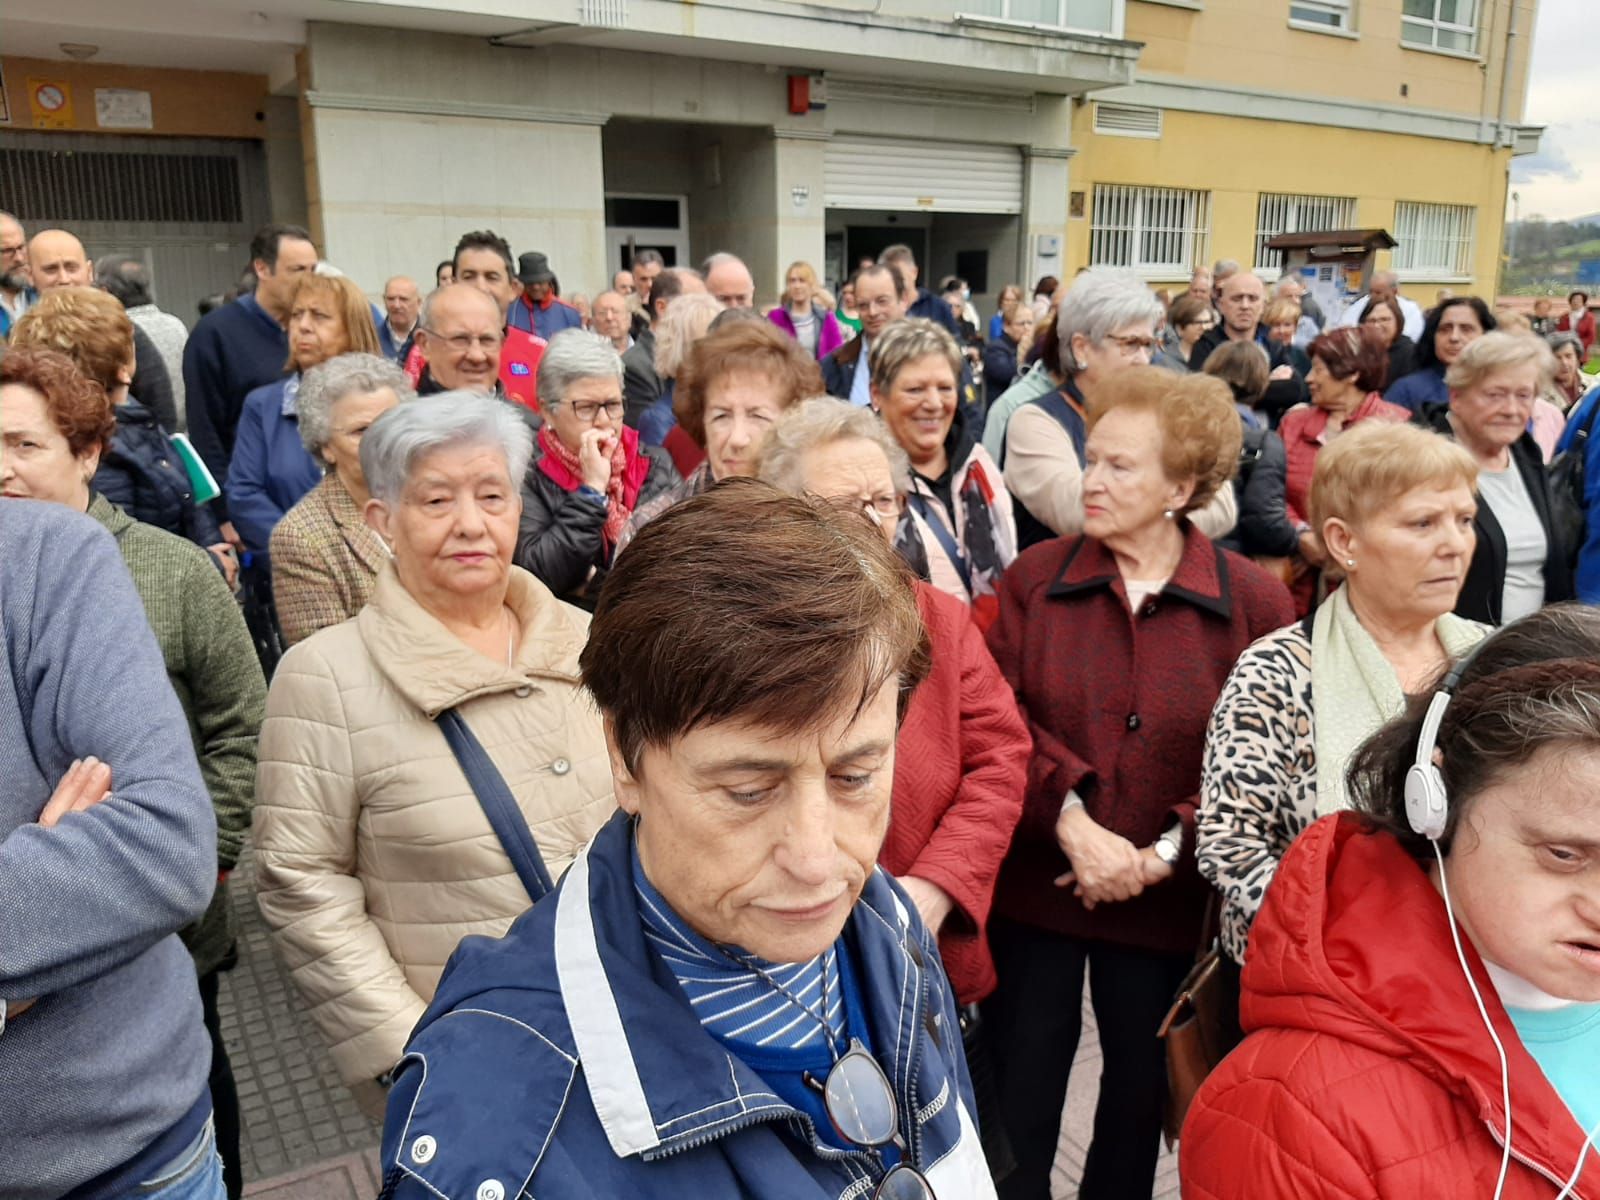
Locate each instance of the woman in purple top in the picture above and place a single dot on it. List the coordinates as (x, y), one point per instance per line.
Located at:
(802, 318)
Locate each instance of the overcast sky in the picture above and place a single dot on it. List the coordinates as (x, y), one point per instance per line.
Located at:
(1562, 181)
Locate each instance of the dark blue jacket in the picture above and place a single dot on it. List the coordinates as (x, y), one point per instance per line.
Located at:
(1585, 415)
(271, 467)
(142, 475)
(657, 420)
(232, 351)
(564, 1062)
(1421, 390)
(544, 320)
(934, 308)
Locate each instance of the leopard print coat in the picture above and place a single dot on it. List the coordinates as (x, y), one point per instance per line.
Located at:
(1258, 783)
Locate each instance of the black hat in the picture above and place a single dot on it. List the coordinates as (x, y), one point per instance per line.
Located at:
(534, 267)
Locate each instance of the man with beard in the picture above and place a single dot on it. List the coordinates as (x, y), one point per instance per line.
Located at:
(16, 289)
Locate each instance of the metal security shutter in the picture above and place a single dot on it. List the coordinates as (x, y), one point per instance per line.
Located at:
(953, 177)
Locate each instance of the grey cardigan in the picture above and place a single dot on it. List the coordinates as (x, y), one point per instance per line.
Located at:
(89, 909)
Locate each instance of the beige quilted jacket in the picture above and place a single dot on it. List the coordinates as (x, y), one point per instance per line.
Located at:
(373, 856)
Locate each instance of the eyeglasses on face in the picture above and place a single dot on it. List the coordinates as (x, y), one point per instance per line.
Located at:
(861, 1104)
(1133, 343)
(461, 343)
(587, 411)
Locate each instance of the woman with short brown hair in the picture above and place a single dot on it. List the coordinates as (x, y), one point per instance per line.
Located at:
(1117, 643)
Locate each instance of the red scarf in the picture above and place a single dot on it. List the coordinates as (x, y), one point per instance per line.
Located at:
(628, 471)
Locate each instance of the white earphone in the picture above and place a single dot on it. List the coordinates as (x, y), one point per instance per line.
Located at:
(1428, 812)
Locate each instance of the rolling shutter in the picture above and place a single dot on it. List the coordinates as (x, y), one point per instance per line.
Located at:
(953, 177)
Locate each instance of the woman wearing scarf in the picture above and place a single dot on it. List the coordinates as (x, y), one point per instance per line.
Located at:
(589, 472)
(1393, 507)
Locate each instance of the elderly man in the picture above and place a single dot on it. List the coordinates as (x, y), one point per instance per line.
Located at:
(483, 261)
(242, 346)
(917, 301)
(880, 299)
(612, 320)
(1200, 284)
(622, 283)
(1222, 270)
(127, 278)
(729, 280)
(16, 288)
(1240, 304)
(460, 346)
(538, 310)
(401, 304)
(724, 997)
(641, 386)
(57, 259)
(1383, 285)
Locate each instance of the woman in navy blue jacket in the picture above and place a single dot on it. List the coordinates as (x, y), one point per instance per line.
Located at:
(271, 469)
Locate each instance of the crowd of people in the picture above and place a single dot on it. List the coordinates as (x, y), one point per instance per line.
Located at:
(699, 746)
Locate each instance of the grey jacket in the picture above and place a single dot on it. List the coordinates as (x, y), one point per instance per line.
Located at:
(113, 1053)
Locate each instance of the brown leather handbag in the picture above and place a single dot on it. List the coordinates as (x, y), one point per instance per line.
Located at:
(1199, 1030)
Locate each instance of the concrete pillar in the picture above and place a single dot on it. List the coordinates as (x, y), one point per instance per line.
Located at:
(800, 203)
(1044, 213)
(395, 189)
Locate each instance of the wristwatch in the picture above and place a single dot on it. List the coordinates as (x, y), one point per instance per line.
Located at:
(1166, 850)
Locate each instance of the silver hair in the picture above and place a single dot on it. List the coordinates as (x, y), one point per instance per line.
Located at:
(905, 341)
(391, 449)
(1565, 337)
(822, 421)
(574, 354)
(718, 259)
(1101, 301)
(325, 385)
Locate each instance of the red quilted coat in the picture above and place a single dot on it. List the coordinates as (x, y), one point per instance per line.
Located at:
(1368, 1074)
(960, 765)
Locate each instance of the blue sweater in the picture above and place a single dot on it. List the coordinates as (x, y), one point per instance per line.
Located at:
(234, 350)
(272, 469)
(113, 1057)
(1420, 390)
(1583, 416)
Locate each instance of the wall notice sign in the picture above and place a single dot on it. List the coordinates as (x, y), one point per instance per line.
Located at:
(122, 108)
(50, 101)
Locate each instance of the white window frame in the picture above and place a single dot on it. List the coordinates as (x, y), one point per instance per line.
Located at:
(1422, 33)
(1309, 15)
(1005, 16)
(1287, 212)
(1126, 218)
(1434, 242)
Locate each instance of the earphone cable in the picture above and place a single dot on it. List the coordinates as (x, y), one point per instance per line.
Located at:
(1483, 1011)
(1582, 1154)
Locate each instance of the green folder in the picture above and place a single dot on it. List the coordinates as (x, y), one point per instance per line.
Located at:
(200, 478)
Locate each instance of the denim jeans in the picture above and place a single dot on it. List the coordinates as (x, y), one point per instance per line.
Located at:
(195, 1174)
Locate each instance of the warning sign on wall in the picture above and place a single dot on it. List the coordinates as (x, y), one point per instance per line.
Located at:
(51, 103)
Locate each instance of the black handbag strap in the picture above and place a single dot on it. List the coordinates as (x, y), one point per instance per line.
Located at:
(498, 805)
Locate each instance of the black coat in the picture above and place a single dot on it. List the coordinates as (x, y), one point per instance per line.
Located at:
(1484, 589)
(1281, 394)
(560, 537)
(142, 474)
(641, 386)
(152, 384)
(1402, 361)
(999, 367)
(1264, 527)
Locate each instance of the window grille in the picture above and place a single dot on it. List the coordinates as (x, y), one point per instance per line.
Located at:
(1279, 212)
(1153, 230)
(95, 185)
(1435, 240)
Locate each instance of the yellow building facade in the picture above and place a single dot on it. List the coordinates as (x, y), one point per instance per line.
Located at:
(1256, 117)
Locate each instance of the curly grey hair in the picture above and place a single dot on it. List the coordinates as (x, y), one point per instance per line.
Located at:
(574, 354)
(347, 375)
(1101, 301)
(400, 437)
(822, 421)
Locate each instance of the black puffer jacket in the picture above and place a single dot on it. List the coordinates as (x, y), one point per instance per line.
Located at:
(559, 538)
(142, 475)
(1264, 527)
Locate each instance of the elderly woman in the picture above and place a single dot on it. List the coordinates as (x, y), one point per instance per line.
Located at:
(1429, 1019)
(1347, 366)
(725, 997)
(1386, 320)
(56, 425)
(962, 754)
(1106, 324)
(141, 472)
(1569, 382)
(812, 326)
(1117, 643)
(369, 875)
(958, 532)
(685, 321)
(735, 384)
(1521, 562)
(590, 471)
(1188, 319)
(1450, 328)
(271, 468)
(1394, 506)
(1282, 317)
(325, 558)
(1005, 353)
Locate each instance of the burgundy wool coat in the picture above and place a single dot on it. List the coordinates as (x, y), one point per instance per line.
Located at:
(960, 765)
(1118, 705)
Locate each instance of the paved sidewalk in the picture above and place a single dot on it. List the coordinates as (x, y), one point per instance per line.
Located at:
(304, 1138)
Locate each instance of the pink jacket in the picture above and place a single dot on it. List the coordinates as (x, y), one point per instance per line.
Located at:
(829, 336)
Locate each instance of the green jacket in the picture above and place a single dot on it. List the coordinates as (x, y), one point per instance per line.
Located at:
(212, 664)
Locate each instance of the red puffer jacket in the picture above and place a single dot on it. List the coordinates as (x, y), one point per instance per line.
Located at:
(1369, 1075)
(960, 765)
